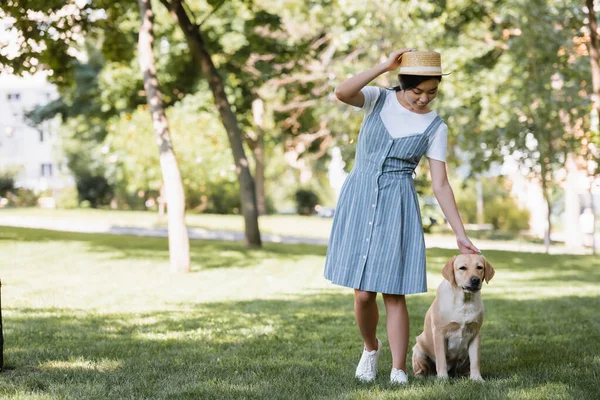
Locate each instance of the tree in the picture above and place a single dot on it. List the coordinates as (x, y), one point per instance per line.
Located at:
(51, 36)
(529, 97)
(591, 141)
(197, 44)
(178, 237)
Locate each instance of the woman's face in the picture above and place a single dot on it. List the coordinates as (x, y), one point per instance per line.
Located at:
(419, 97)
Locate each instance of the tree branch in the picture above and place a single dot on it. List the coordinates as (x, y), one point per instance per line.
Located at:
(214, 10)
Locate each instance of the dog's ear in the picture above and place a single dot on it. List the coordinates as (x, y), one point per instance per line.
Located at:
(448, 271)
(488, 272)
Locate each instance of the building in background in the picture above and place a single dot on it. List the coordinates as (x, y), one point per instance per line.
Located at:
(32, 151)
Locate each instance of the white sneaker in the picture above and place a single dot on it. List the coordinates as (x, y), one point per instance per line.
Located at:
(367, 366)
(398, 377)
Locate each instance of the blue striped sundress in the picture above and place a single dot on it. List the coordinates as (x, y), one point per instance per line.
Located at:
(376, 242)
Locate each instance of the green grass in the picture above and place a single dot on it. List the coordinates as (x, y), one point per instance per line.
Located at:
(288, 225)
(100, 317)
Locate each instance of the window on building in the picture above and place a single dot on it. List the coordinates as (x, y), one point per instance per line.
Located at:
(41, 136)
(13, 96)
(47, 169)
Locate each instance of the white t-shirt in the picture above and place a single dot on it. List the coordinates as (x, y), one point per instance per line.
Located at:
(401, 122)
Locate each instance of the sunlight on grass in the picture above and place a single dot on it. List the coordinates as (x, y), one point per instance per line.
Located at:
(81, 364)
(100, 316)
(546, 391)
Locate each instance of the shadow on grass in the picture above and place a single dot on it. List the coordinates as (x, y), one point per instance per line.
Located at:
(204, 254)
(208, 254)
(301, 348)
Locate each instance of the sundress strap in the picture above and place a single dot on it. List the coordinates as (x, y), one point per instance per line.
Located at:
(380, 101)
(433, 127)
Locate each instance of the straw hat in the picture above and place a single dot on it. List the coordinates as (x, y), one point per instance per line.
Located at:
(427, 63)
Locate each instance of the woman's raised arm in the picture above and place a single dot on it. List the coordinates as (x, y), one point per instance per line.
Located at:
(349, 91)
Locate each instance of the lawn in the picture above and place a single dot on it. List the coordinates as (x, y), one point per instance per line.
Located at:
(90, 316)
(289, 225)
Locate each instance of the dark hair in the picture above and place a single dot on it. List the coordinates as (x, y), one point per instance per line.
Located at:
(412, 81)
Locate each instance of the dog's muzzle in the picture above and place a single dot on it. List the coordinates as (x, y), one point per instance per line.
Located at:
(473, 285)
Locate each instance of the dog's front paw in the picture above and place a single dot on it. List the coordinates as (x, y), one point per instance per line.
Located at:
(477, 378)
(442, 377)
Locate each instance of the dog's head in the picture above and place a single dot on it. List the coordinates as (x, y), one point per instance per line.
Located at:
(468, 271)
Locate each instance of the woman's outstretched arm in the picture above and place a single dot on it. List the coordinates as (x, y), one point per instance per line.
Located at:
(445, 197)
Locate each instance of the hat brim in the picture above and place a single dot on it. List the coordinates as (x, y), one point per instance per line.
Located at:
(425, 73)
(421, 70)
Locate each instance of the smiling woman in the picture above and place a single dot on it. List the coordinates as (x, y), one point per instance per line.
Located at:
(377, 243)
(416, 92)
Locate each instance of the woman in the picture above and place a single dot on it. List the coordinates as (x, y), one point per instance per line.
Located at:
(376, 244)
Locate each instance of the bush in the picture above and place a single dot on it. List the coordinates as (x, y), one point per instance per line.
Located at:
(306, 200)
(94, 189)
(23, 198)
(223, 198)
(7, 184)
(431, 216)
(505, 215)
(499, 208)
(67, 198)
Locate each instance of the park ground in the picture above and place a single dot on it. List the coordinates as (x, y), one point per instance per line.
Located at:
(274, 228)
(96, 316)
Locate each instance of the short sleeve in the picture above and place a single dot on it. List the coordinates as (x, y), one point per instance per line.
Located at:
(438, 144)
(371, 94)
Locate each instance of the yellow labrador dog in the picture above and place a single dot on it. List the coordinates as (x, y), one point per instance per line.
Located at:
(450, 340)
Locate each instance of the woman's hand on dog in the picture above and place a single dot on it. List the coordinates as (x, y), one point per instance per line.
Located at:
(465, 246)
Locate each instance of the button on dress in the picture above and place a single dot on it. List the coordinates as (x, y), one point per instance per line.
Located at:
(376, 242)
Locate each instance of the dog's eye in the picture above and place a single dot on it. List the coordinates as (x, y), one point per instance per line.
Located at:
(479, 267)
(463, 268)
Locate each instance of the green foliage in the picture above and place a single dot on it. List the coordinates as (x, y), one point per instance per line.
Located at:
(67, 198)
(431, 214)
(519, 83)
(94, 189)
(7, 184)
(16, 196)
(505, 215)
(306, 200)
(499, 208)
(55, 25)
(132, 160)
(223, 198)
(22, 197)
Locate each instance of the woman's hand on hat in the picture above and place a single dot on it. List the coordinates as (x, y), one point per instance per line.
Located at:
(394, 61)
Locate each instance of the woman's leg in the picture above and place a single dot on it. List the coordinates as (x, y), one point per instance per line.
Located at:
(398, 326)
(367, 317)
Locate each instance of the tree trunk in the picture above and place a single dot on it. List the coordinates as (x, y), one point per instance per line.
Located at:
(247, 189)
(574, 237)
(479, 190)
(179, 246)
(548, 231)
(258, 149)
(594, 49)
(161, 203)
(593, 238)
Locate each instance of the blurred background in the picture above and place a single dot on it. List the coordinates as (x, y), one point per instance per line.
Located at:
(246, 89)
